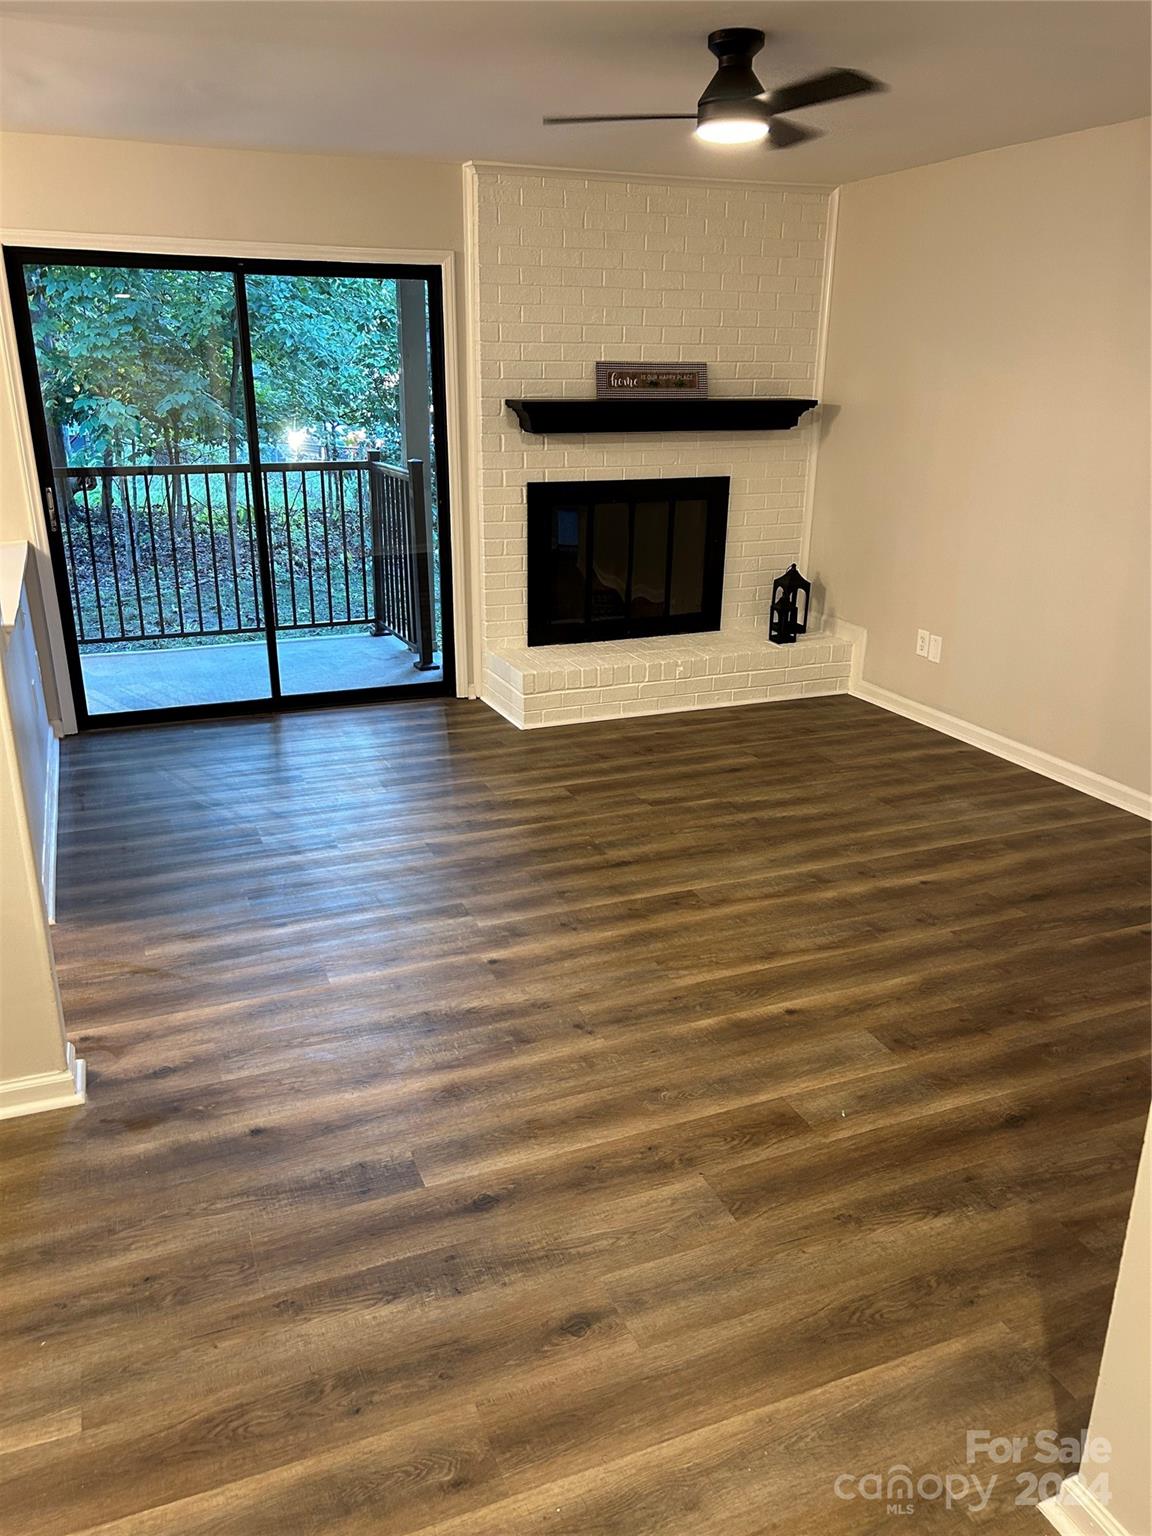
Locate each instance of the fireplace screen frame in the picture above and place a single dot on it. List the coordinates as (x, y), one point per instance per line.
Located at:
(546, 498)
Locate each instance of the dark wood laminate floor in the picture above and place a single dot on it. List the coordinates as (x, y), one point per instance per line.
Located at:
(608, 1131)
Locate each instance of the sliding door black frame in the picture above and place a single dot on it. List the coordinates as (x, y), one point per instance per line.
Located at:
(16, 258)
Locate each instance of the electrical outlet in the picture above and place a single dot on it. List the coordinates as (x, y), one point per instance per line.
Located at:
(934, 644)
(922, 639)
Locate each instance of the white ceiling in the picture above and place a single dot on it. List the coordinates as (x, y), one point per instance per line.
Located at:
(450, 80)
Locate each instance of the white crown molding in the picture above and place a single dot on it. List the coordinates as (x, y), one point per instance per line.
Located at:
(45, 1090)
(650, 178)
(1018, 752)
(1076, 1511)
(234, 250)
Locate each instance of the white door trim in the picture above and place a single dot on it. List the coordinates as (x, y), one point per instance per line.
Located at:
(815, 427)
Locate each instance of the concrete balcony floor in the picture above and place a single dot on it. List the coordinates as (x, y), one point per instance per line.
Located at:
(123, 680)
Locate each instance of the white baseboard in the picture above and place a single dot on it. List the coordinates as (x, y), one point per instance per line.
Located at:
(1076, 1511)
(45, 1090)
(51, 822)
(1018, 752)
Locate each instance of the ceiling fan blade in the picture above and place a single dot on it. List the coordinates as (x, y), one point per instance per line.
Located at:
(782, 135)
(832, 85)
(629, 117)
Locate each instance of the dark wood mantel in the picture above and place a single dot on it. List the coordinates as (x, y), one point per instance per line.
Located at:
(723, 415)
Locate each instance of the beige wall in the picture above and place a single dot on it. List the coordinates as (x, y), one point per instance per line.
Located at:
(107, 188)
(984, 474)
(113, 186)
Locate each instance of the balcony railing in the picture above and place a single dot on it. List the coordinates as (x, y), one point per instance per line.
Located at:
(171, 552)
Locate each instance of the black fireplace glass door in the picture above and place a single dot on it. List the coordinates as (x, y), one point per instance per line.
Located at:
(567, 570)
(612, 559)
(608, 586)
(650, 562)
(689, 558)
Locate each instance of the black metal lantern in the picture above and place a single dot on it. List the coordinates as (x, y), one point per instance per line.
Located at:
(789, 616)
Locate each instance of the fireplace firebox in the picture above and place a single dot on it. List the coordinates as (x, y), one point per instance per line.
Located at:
(611, 559)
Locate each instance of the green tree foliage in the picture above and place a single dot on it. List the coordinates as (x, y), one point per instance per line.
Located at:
(130, 363)
(140, 365)
(326, 357)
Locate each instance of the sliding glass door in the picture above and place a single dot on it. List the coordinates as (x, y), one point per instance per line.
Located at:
(148, 485)
(243, 476)
(344, 410)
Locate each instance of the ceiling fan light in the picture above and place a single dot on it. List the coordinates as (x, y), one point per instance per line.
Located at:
(735, 120)
(732, 130)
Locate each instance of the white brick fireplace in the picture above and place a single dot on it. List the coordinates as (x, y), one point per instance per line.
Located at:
(570, 269)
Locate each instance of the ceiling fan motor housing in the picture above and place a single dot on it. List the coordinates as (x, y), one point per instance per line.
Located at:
(735, 80)
(736, 109)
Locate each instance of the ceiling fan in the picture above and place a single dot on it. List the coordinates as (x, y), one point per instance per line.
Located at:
(736, 109)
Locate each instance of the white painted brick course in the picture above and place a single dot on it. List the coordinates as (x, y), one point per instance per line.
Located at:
(562, 684)
(572, 269)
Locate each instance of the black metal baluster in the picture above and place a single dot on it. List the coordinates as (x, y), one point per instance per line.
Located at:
(169, 497)
(307, 547)
(389, 607)
(375, 520)
(324, 522)
(64, 500)
(421, 569)
(160, 619)
(215, 556)
(195, 556)
(365, 548)
(231, 506)
(291, 560)
(397, 558)
(344, 545)
(253, 557)
(327, 546)
(92, 557)
(254, 548)
(130, 522)
(106, 500)
(398, 554)
(387, 610)
(394, 620)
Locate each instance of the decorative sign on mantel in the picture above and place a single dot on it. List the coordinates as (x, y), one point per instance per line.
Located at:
(651, 381)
